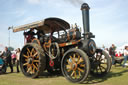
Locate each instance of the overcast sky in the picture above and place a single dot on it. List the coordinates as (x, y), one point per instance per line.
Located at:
(108, 18)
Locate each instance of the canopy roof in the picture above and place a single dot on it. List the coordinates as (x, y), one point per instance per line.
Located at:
(47, 25)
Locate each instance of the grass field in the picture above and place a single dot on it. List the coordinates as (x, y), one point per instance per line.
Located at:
(117, 76)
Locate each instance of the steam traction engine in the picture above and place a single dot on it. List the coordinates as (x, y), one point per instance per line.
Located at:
(59, 49)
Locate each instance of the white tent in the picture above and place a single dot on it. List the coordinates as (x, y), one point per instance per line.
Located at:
(121, 48)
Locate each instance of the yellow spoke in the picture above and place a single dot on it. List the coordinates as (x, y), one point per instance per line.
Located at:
(26, 59)
(25, 64)
(35, 60)
(28, 50)
(25, 56)
(72, 73)
(74, 57)
(29, 69)
(33, 70)
(69, 62)
(35, 67)
(69, 70)
(68, 66)
(79, 73)
(80, 70)
(28, 54)
(82, 65)
(36, 64)
(80, 60)
(28, 66)
(71, 58)
(32, 51)
(35, 54)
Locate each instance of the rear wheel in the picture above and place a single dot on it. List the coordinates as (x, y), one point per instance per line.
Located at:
(75, 65)
(100, 63)
(32, 60)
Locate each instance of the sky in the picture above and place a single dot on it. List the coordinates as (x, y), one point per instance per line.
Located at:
(108, 18)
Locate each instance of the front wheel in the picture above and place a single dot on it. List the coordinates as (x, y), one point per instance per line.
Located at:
(75, 65)
(100, 63)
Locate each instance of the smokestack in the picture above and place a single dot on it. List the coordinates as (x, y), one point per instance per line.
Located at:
(85, 15)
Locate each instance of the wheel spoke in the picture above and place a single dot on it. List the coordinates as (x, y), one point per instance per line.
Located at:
(71, 58)
(26, 59)
(79, 73)
(25, 64)
(29, 69)
(73, 73)
(28, 50)
(69, 62)
(100, 57)
(69, 67)
(32, 51)
(35, 54)
(80, 69)
(103, 63)
(82, 65)
(37, 64)
(33, 70)
(26, 56)
(35, 60)
(100, 69)
(35, 67)
(74, 57)
(69, 70)
(80, 60)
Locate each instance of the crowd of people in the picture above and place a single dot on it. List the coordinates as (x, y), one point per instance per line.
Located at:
(7, 58)
(115, 55)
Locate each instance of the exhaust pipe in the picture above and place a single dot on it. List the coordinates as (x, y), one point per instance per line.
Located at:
(85, 16)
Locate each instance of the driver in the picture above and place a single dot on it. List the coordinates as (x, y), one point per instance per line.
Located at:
(29, 35)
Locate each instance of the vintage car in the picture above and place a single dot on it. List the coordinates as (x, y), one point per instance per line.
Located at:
(58, 48)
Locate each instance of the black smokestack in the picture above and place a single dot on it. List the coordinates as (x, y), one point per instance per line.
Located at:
(85, 15)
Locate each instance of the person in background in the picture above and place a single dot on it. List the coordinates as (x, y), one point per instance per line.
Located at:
(17, 59)
(7, 57)
(112, 53)
(13, 58)
(125, 55)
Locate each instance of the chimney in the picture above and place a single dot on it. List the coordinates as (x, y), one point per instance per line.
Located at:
(85, 15)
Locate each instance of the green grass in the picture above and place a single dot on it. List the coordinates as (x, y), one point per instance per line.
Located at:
(117, 76)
